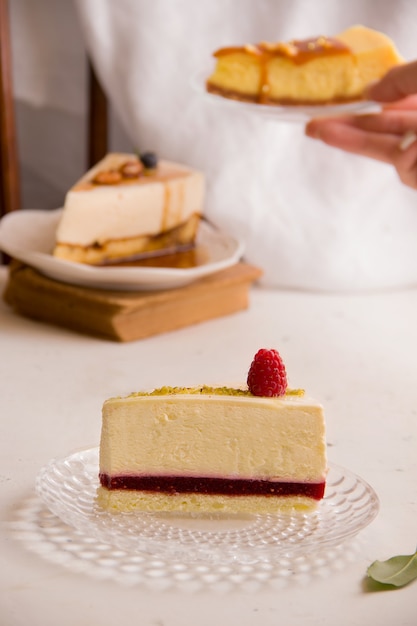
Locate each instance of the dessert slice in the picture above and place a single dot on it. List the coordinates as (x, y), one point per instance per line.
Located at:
(319, 70)
(212, 450)
(125, 209)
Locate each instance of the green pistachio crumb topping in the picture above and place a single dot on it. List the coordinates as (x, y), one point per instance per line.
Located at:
(205, 390)
(294, 392)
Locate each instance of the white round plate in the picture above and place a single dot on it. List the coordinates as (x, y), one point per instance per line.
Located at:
(68, 488)
(29, 236)
(279, 113)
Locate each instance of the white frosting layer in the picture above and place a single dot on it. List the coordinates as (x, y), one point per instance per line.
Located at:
(214, 435)
(145, 206)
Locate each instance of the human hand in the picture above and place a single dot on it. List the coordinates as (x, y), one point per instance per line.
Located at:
(389, 135)
(397, 84)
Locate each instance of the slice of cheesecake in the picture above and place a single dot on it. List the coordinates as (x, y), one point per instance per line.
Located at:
(212, 450)
(121, 210)
(320, 70)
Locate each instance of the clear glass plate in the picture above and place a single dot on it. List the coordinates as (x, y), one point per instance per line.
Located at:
(29, 236)
(68, 488)
(299, 113)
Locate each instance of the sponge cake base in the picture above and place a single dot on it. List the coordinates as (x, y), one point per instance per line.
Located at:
(129, 500)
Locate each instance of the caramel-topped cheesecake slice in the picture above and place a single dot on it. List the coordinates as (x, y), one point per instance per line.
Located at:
(212, 450)
(124, 209)
(318, 70)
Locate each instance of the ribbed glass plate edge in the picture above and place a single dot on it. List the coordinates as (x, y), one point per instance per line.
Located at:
(68, 485)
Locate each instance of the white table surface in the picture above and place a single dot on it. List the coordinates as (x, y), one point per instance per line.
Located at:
(355, 353)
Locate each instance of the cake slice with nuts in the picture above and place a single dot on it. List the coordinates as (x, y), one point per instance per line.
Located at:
(127, 207)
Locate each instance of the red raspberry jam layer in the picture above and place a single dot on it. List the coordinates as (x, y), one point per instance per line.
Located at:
(213, 486)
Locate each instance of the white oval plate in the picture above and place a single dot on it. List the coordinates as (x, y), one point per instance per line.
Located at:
(29, 236)
(279, 113)
(68, 488)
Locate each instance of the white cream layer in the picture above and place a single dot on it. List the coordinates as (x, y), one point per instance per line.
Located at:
(214, 435)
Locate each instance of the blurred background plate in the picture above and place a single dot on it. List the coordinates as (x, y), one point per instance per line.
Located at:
(29, 236)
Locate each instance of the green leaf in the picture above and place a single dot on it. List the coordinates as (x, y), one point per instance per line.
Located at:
(397, 571)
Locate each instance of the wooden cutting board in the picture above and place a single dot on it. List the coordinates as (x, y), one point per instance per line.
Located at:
(126, 315)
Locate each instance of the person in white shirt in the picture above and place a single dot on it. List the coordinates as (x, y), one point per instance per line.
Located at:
(311, 217)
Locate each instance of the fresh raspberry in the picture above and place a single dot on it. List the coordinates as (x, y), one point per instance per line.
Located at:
(267, 375)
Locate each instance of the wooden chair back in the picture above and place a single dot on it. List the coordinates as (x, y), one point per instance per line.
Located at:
(97, 123)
